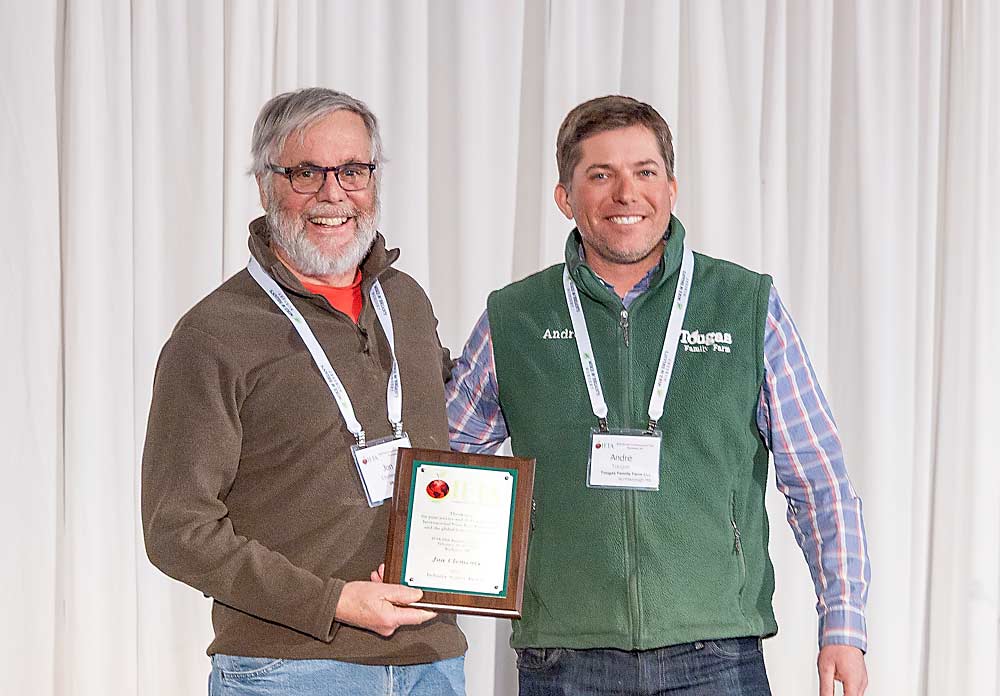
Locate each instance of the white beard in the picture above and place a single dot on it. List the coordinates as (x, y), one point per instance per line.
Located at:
(308, 258)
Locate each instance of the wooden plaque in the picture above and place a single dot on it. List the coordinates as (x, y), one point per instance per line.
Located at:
(458, 530)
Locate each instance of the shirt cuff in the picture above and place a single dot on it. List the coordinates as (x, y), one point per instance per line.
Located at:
(843, 626)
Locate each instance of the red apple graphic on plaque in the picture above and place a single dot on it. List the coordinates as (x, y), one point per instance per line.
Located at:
(437, 489)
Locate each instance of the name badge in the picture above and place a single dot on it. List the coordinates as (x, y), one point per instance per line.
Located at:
(376, 464)
(624, 459)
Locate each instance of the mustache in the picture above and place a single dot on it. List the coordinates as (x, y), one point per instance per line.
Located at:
(332, 211)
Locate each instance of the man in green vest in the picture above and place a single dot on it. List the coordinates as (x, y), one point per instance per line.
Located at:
(651, 384)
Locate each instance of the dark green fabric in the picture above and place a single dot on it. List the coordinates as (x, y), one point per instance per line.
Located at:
(640, 569)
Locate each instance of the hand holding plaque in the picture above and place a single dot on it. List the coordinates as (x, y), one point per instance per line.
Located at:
(458, 530)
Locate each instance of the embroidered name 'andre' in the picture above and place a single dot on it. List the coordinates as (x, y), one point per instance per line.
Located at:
(558, 333)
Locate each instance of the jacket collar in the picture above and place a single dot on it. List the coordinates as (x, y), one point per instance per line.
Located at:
(374, 264)
(588, 282)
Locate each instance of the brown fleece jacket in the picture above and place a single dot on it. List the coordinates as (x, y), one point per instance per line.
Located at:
(249, 491)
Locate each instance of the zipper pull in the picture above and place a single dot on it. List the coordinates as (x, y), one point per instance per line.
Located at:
(737, 547)
(623, 322)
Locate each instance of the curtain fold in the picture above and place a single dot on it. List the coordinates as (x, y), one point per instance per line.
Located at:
(848, 148)
(96, 541)
(31, 369)
(963, 595)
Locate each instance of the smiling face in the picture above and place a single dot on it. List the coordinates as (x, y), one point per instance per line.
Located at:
(621, 197)
(323, 235)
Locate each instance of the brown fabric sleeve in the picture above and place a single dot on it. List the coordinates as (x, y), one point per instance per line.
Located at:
(189, 462)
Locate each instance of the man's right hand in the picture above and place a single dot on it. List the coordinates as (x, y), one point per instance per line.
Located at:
(380, 607)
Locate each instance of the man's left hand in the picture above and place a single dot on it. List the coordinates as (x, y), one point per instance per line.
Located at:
(845, 664)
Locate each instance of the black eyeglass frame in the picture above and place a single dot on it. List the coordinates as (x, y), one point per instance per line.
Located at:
(288, 172)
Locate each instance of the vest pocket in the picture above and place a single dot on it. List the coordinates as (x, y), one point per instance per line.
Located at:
(738, 550)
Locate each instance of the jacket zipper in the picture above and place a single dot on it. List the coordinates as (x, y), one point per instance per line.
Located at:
(631, 533)
(360, 331)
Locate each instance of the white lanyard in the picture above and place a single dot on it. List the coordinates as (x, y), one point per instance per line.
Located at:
(667, 356)
(394, 392)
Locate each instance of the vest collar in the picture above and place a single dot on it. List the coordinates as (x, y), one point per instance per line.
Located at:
(589, 284)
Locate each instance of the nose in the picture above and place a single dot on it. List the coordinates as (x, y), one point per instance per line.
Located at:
(625, 191)
(331, 192)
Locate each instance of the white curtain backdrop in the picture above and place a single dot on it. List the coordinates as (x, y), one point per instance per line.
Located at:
(848, 147)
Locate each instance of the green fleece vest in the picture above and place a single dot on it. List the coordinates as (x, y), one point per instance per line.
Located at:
(636, 570)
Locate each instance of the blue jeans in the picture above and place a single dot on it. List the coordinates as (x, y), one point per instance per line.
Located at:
(264, 676)
(730, 667)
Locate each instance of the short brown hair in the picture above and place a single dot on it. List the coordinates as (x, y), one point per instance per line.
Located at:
(605, 114)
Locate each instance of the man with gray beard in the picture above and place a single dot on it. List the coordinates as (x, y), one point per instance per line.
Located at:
(276, 401)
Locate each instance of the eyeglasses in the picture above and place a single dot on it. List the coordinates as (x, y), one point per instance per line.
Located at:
(308, 178)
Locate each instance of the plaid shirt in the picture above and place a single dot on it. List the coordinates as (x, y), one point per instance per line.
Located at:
(796, 422)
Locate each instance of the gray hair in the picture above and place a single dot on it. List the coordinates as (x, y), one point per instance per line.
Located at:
(293, 112)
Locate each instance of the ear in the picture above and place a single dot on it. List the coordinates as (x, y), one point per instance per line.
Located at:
(561, 195)
(673, 194)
